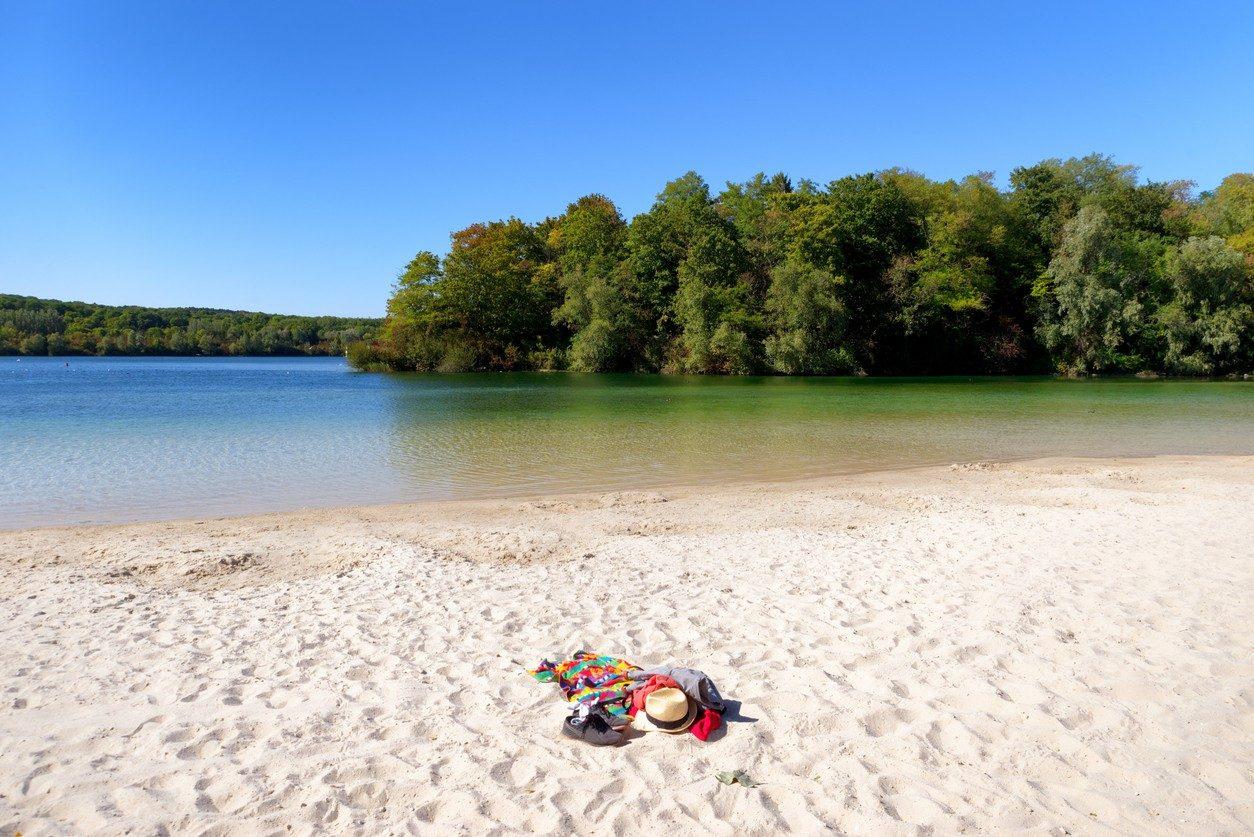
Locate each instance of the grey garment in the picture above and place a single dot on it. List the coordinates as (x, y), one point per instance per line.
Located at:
(695, 684)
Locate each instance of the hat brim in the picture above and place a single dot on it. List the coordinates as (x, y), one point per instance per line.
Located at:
(644, 723)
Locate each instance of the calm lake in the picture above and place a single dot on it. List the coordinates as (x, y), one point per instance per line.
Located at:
(118, 439)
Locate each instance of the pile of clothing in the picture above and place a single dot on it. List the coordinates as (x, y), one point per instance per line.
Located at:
(610, 694)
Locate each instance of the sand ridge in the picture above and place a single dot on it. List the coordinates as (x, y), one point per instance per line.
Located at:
(1049, 647)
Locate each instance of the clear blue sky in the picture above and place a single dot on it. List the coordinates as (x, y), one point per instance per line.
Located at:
(292, 157)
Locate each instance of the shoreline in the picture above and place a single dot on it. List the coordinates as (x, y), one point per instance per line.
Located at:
(1143, 376)
(1040, 645)
(676, 488)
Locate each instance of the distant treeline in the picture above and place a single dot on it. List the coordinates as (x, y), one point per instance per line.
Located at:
(1078, 267)
(32, 326)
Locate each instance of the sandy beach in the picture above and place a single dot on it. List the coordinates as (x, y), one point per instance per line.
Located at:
(1056, 646)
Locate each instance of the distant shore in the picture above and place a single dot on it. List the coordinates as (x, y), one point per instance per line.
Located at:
(35, 327)
(1052, 644)
(1147, 375)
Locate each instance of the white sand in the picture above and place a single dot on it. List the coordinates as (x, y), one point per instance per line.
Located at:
(1058, 646)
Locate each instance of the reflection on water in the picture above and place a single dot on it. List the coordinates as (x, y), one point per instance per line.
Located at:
(471, 436)
(122, 439)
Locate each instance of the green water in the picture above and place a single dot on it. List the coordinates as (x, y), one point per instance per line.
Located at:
(564, 432)
(112, 439)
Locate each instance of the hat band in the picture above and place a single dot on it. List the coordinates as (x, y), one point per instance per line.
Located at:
(667, 724)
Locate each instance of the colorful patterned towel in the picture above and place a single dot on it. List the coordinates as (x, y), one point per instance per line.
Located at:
(589, 679)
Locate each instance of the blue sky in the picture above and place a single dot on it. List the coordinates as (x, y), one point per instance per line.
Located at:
(292, 157)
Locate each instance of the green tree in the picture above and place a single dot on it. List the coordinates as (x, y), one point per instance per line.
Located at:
(856, 230)
(589, 242)
(759, 213)
(711, 308)
(960, 299)
(1091, 294)
(1229, 212)
(807, 321)
(657, 243)
(1079, 266)
(84, 328)
(34, 344)
(490, 300)
(1209, 319)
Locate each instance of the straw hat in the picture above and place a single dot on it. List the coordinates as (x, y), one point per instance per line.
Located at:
(667, 710)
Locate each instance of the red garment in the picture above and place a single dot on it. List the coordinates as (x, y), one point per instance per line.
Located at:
(706, 723)
(657, 681)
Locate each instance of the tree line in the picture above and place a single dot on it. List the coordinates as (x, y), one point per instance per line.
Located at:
(33, 326)
(1078, 267)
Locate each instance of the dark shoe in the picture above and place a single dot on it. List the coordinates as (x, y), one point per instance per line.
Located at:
(591, 727)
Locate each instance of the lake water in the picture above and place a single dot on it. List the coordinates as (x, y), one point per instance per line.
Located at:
(118, 439)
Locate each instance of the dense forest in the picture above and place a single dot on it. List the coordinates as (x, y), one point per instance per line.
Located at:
(32, 326)
(1078, 267)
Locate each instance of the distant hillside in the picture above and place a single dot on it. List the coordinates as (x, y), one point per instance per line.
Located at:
(33, 326)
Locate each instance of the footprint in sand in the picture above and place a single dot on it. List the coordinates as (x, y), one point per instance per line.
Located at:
(278, 698)
(885, 721)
